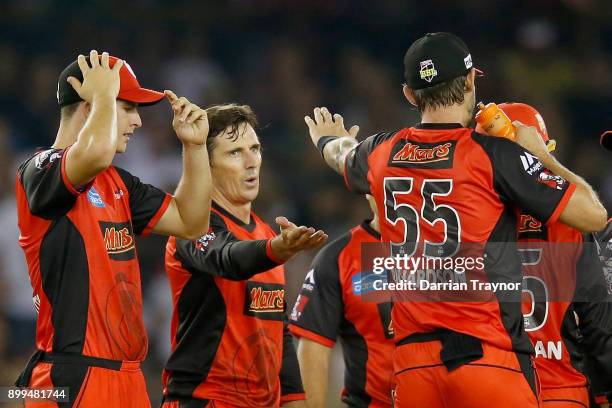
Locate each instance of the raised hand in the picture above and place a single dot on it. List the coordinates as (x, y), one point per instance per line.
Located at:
(324, 124)
(190, 122)
(99, 80)
(294, 239)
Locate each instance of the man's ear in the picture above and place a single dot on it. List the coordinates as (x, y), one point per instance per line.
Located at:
(409, 95)
(470, 81)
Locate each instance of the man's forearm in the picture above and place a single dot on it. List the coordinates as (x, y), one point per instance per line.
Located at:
(96, 143)
(552, 164)
(336, 151)
(314, 366)
(192, 195)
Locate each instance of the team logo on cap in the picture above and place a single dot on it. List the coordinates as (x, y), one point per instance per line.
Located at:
(428, 70)
(468, 61)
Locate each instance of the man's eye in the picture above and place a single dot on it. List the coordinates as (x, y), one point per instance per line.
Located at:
(235, 153)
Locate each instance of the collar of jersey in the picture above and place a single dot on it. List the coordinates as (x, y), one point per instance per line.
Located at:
(439, 126)
(249, 227)
(368, 228)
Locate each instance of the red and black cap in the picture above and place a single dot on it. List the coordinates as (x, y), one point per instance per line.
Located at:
(436, 58)
(130, 90)
(606, 139)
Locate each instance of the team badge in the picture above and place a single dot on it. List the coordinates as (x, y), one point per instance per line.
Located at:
(428, 70)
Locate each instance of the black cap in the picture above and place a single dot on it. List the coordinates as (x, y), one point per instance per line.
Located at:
(436, 58)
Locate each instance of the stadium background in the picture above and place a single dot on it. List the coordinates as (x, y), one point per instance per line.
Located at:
(283, 57)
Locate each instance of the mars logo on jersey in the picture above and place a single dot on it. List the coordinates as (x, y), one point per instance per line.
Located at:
(529, 227)
(265, 301)
(411, 154)
(119, 240)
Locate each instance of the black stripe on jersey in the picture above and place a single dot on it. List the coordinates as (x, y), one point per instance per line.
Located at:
(502, 264)
(71, 376)
(65, 281)
(202, 318)
(355, 352)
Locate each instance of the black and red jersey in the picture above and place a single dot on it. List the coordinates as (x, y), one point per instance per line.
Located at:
(330, 306)
(568, 313)
(229, 334)
(439, 186)
(79, 246)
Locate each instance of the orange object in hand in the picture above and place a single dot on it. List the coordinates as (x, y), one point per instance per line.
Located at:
(494, 121)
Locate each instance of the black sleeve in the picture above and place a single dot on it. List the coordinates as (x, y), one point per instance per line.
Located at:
(520, 179)
(594, 310)
(220, 253)
(147, 202)
(290, 377)
(357, 166)
(47, 189)
(319, 309)
(604, 248)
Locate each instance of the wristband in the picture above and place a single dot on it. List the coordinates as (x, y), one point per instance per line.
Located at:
(324, 141)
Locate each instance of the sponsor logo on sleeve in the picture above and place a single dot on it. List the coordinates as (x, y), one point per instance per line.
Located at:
(531, 164)
(94, 198)
(118, 240)
(309, 282)
(264, 301)
(204, 241)
(298, 307)
(46, 158)
(364, 282)
(411, 154)
(551, 180)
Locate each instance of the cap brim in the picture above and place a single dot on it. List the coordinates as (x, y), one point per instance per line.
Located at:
(606, 140)
(479, 73)
(141, 96)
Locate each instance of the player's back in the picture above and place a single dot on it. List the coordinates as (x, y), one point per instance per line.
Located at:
(551, 255)
(440, 187)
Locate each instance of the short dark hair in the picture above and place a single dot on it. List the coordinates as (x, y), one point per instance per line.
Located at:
(228, 116)
(443, 94)
(67, 111)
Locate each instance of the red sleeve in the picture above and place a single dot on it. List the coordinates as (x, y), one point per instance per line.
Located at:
(293, 397)
(562, 204)
(298, 331)
(160, 212)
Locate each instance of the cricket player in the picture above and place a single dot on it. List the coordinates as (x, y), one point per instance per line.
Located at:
(331, 306)
(230, 344)
(438, 186)
(78, 215)
(568, 316)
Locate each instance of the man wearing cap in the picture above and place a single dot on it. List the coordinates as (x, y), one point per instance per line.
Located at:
(568, 315)
(78, 215)
(441, 188)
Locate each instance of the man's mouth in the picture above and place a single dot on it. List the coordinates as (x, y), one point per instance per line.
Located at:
(251, 181)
